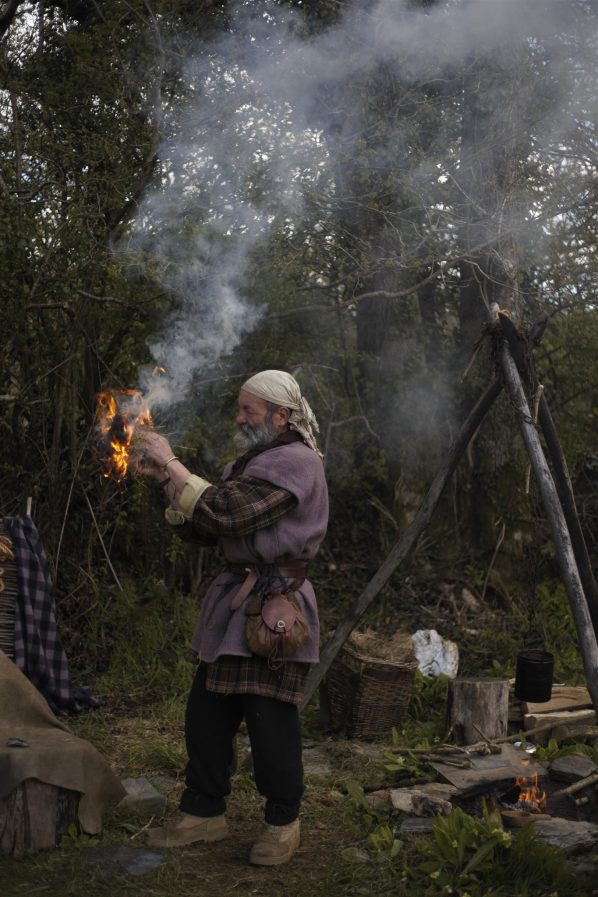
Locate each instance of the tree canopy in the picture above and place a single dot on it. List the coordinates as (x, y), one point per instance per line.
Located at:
(337, 188)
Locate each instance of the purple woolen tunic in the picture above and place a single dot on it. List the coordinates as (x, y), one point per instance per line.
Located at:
(298, 534)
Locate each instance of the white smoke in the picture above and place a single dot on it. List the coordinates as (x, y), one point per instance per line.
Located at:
(248, 143)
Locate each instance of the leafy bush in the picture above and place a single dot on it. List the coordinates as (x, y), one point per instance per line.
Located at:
(478, 858)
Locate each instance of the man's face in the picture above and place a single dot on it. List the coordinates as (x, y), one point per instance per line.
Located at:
(256, 423)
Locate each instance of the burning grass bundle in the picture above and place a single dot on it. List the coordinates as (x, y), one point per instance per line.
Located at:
(120, 413)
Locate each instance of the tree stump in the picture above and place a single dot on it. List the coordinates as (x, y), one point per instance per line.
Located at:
(478, 709)
(35, 816)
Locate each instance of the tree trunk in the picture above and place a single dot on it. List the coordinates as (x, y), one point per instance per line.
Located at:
(478, 709)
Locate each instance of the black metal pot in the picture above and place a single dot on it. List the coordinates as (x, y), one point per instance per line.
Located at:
(533, 679)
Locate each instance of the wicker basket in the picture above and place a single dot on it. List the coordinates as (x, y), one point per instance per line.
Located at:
(368, 696)
(8, 594)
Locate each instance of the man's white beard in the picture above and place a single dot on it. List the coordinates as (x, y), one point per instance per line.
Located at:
(248, 437)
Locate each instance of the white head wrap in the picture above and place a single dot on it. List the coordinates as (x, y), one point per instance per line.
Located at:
(281, 389)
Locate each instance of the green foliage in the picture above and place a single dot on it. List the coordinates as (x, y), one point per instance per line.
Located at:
(142, 639)
(560, 634)
(428, 699)
(578, 749)
(75, 838)
(477, 857)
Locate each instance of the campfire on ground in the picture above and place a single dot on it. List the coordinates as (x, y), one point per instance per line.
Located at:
(532, 799)
(120, 414)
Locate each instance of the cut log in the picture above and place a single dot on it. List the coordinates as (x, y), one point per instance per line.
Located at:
(478, 708)
(564, 697)
(35, 816)
(577, 732)
(558, 720)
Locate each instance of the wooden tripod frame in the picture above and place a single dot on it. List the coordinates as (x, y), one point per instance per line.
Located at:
(571, 551)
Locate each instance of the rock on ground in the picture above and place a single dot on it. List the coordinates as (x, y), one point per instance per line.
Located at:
(142, 798)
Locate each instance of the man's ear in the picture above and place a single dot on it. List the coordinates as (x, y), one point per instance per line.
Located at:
(283, 415)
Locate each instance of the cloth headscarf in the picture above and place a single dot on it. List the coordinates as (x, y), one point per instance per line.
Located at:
(283, 390)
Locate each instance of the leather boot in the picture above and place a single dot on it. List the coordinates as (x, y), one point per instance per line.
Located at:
(187, 829)
(275, 845)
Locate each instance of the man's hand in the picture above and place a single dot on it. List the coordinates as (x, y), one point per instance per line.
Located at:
(150, 453)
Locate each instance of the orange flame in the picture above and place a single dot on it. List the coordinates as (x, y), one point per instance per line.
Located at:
(119, 414)
(531, 797)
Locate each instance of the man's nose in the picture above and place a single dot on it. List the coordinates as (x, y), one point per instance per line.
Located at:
(240, 419)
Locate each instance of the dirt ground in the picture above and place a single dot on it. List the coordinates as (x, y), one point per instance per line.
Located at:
(146, 743)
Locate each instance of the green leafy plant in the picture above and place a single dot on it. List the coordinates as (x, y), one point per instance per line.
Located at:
(553, 749)
(75, 838)
(404, 763)
(473, 857)
(383, 843)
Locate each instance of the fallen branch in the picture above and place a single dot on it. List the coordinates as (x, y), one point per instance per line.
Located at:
(579, 785)
(102, 543)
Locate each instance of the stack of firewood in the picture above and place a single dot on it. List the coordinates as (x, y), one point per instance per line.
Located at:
(568, 714)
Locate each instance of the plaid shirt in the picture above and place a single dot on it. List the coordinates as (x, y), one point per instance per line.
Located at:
(237, 507)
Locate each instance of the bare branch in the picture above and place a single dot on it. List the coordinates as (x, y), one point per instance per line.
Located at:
(62, 306)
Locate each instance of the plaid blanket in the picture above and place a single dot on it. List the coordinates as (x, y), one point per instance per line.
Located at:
(38, 650)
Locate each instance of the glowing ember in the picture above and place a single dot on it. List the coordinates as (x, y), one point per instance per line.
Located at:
(119, 413)
(531, 798)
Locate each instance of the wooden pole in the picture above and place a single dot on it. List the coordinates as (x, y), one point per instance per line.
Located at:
(560, 533)
(406, 541)
(565, 491)
(520, 351)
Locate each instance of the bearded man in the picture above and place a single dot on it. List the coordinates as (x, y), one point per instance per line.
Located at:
(268, 516)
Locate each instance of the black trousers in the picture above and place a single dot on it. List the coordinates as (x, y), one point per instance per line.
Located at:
(211, 723)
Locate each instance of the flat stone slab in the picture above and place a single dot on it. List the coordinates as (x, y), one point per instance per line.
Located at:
(486, 769)
(142, 798)
(571, 768)
(568, 835)
(118, 860)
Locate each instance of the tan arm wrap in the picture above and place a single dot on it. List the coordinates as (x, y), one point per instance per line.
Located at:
(183, 512)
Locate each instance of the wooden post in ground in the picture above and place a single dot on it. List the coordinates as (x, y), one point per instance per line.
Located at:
(406, 541)
(558, 525)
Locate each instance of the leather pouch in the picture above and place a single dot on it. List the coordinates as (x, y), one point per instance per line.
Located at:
(275, 627)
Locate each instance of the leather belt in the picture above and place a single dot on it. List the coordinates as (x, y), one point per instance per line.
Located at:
(294, 569)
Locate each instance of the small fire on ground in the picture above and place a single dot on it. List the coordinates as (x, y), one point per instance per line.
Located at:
(532, 799)
(120, 413)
